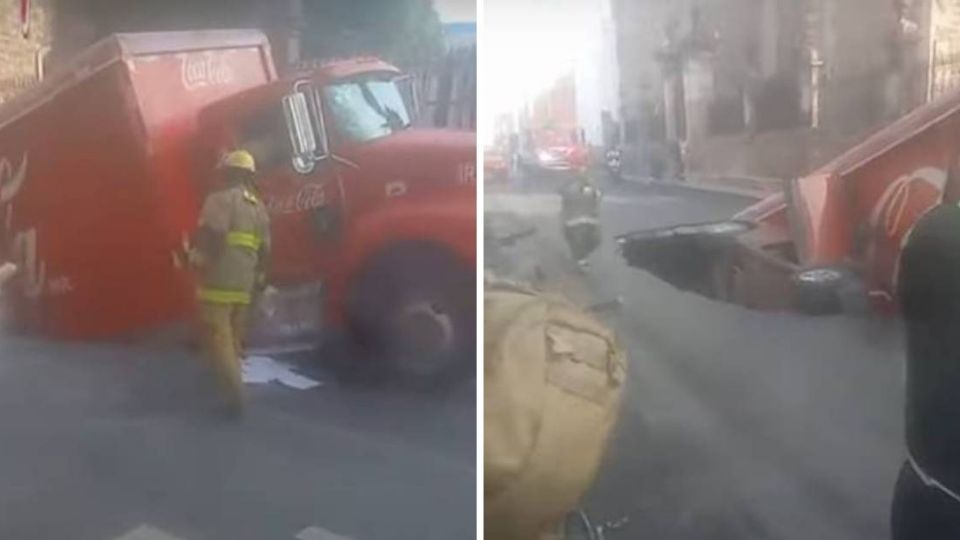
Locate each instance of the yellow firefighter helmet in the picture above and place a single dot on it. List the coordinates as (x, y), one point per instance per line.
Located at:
(239, 159)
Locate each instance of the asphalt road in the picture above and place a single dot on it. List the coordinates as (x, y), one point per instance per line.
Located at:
(737, 424)
(111, 442)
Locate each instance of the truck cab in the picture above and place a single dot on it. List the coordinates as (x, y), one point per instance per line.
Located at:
(351, 185)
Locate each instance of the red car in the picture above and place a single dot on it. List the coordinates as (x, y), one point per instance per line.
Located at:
(555, 151)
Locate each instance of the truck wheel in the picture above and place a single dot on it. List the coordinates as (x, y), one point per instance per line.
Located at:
(819, 296)
(816, 301)
(816, 305)
(415, 307)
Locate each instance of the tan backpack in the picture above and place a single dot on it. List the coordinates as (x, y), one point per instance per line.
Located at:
(553, 379)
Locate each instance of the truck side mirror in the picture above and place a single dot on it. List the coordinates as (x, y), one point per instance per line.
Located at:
(307, 139)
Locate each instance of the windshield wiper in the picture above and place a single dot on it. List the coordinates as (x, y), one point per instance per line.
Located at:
(394, 120)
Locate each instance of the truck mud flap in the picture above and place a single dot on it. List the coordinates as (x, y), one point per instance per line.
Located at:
(687, 257)
(287, 321)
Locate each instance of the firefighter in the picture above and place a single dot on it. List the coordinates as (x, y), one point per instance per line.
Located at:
(232, 246)
(927, 496)
(553, 383)
(579, 214)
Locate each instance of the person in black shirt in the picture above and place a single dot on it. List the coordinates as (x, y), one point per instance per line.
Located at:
(926, 503)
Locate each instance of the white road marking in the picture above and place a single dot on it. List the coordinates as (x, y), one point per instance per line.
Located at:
(319, 533)
(146, 532)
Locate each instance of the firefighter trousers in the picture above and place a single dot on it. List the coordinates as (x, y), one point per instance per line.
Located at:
(224, 327)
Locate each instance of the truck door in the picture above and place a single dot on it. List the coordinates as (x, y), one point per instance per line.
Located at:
(305, 202)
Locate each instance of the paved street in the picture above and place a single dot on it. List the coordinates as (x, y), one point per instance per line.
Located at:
(110, 442)
(738, 424)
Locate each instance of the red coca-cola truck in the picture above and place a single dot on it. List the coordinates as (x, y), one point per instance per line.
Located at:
(831, 240)
(103, 168)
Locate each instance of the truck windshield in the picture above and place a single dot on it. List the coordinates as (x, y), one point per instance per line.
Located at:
(365, 110)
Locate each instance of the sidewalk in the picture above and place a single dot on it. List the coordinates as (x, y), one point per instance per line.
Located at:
(744, 186)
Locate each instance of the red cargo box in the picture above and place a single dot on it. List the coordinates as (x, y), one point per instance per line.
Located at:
(97, 183)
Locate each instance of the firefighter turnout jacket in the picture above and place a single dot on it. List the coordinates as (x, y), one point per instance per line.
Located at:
(240, 217)
(553, 379)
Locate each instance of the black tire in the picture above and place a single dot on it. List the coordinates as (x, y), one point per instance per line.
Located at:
(415, 308)
(817, 301)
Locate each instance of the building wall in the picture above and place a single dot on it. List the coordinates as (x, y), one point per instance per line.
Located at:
(760, 78)
(18, 55)
(856, 48)
(597, 81)
(639, 32)
(942, 42)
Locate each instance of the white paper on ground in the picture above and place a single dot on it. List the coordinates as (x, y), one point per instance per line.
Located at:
(294, 380)
(259, 370)
(262, 370)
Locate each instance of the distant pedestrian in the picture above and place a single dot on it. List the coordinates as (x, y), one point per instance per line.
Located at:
(927, 500)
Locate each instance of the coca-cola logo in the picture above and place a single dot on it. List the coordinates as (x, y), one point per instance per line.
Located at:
(309, 197)
(907, 196)
(204, 70)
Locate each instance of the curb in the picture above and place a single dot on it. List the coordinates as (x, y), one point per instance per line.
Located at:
(703, 186)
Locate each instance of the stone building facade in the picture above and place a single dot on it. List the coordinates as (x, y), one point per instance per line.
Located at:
(21, 58)
(61, 28)
(797, 79)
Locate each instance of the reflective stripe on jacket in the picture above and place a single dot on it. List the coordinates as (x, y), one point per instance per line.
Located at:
(238, 215)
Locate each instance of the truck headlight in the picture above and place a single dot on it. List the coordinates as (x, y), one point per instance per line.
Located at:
(543, 155)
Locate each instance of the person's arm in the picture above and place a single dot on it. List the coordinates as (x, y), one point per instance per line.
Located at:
(263, 259)
(210, 238)
(263, 264)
